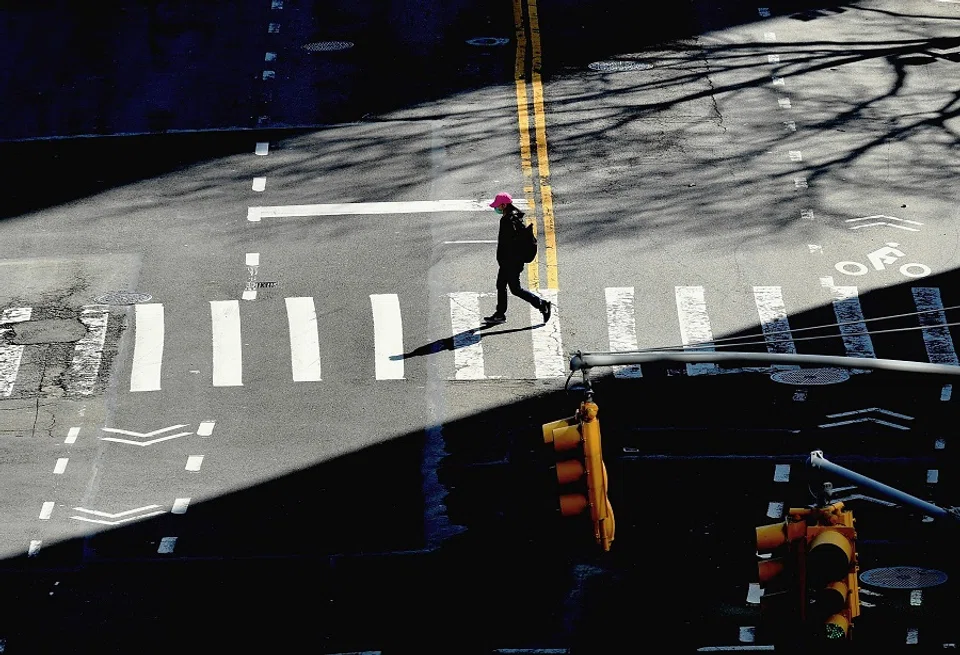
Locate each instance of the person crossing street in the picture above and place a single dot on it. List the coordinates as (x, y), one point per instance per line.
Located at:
(511, 262)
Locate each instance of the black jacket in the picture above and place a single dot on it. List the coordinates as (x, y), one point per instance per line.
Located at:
(510, 222)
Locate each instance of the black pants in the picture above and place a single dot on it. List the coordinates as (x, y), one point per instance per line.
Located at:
(509, 276)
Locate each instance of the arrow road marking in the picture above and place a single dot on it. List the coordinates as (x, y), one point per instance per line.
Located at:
(864, 420)
(871, 409)
(885, 221)
(117, 515)
(144, 434)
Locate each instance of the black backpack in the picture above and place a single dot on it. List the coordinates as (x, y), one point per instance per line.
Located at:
(524, 239)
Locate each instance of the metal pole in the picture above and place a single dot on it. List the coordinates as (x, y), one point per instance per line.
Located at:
(583, 361)
(817, 461)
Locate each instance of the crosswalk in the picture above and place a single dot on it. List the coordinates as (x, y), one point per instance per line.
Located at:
(465, 351)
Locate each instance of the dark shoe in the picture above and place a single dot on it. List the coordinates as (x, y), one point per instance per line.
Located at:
(545, 308)
(494, 319)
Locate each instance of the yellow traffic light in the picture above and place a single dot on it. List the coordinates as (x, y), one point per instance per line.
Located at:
(578, 439)
(832, 572)
(781, 575)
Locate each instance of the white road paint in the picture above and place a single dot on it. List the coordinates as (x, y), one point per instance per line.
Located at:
(777, 80)
(800, 183)
(781, 473)
(791, 125)
(775, 510)
(932, 476)
(773, 59)
(940, 444)
(253, 265)
(180, 506)
(815, 249)
(269, 75)
(622, 327)
(227, 346)
(549, 360)
(784, 103)
(147, 348)
(465, 320)
(263, 148)
(800, 395)
(946, 392)
(774, 323)
(769, 36)
(10, 355)
(747, 634)
(194, 462)
(72, 435)
(695, 332)
(46, 510)
(88, 352)
(34, 548)
(270, 56)
(374, 208)
(796, 155)
(913, 635)
(206, 428)
(60, 466)
(846, 307)
(167, 544)
(916, 597)
(806, 214)
(304, 339)
(273, 28)
(764, 12)
(121, 517)
(754, 593)
(387, 336)
(276, 4)
(936, 334)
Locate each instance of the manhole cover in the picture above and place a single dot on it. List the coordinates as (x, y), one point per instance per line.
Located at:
(488, 41)
(818, 376)
(51, 330)
(903, 577)
(328, 46)
(619, 66)
(123, 298)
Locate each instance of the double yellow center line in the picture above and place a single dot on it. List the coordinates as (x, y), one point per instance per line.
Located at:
(528, 83)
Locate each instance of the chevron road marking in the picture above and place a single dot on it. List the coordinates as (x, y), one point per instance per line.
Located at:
(118, 515)
(144, 434)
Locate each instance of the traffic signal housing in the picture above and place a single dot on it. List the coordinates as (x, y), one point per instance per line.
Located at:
(810, 589)
(580, 470)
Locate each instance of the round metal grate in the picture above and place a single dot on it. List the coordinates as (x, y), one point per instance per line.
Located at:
(328, 46)
(816, 376)
(903, 577)
(122, 298)
(619, 66)
(488, 41)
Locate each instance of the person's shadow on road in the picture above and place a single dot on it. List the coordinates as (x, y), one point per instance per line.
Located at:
(459, 340)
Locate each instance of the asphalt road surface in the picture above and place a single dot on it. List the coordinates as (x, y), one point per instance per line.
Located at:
(246, 399)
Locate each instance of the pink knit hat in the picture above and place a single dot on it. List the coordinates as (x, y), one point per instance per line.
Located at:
(502, 198)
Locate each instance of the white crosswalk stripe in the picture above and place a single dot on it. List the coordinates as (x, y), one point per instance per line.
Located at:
(936, 336)
(304, 339)
(622, 327)
(147, 348)
(846, 306)
(465, 320)
(87, 354)
(227, 344)
(549, 360)
(774, 323)
(388, 336)
(695, 329)
(10, 355)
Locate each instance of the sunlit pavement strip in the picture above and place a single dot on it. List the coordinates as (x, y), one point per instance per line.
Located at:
(374, 208)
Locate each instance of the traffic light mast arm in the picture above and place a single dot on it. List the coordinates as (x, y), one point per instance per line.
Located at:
(584, 361)
(817, 460)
